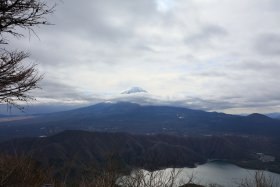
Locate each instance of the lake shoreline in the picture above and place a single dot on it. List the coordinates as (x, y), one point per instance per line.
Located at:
(221, 172)
(245, 164)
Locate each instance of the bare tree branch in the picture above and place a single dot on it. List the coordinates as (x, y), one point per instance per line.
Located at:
(23, 14)
(16, 77)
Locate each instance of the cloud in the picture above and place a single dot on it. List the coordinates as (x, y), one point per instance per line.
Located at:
(164, 5)
(268, 44)
(55, 92)
(206, 35)
(212, 55)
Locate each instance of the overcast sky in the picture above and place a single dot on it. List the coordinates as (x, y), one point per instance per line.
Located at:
(221, 55)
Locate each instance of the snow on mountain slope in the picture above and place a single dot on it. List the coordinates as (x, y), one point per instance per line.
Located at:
(134, 90)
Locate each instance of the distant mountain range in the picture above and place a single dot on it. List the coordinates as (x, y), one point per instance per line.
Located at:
(2, 115)
(274, 115)
(134, 118)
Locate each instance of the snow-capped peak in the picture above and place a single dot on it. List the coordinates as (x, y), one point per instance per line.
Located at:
(134, 90)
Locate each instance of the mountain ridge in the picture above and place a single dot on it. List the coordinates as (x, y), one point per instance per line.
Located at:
(135, 118)
(134, 150)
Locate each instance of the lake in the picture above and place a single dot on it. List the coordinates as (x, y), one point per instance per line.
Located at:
(215, 172)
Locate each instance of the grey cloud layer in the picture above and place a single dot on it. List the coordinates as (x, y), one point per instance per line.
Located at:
(213, 55)
(268, 44)
(205, 36)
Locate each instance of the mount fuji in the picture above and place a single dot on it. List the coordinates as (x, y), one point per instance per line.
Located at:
(134, 90)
